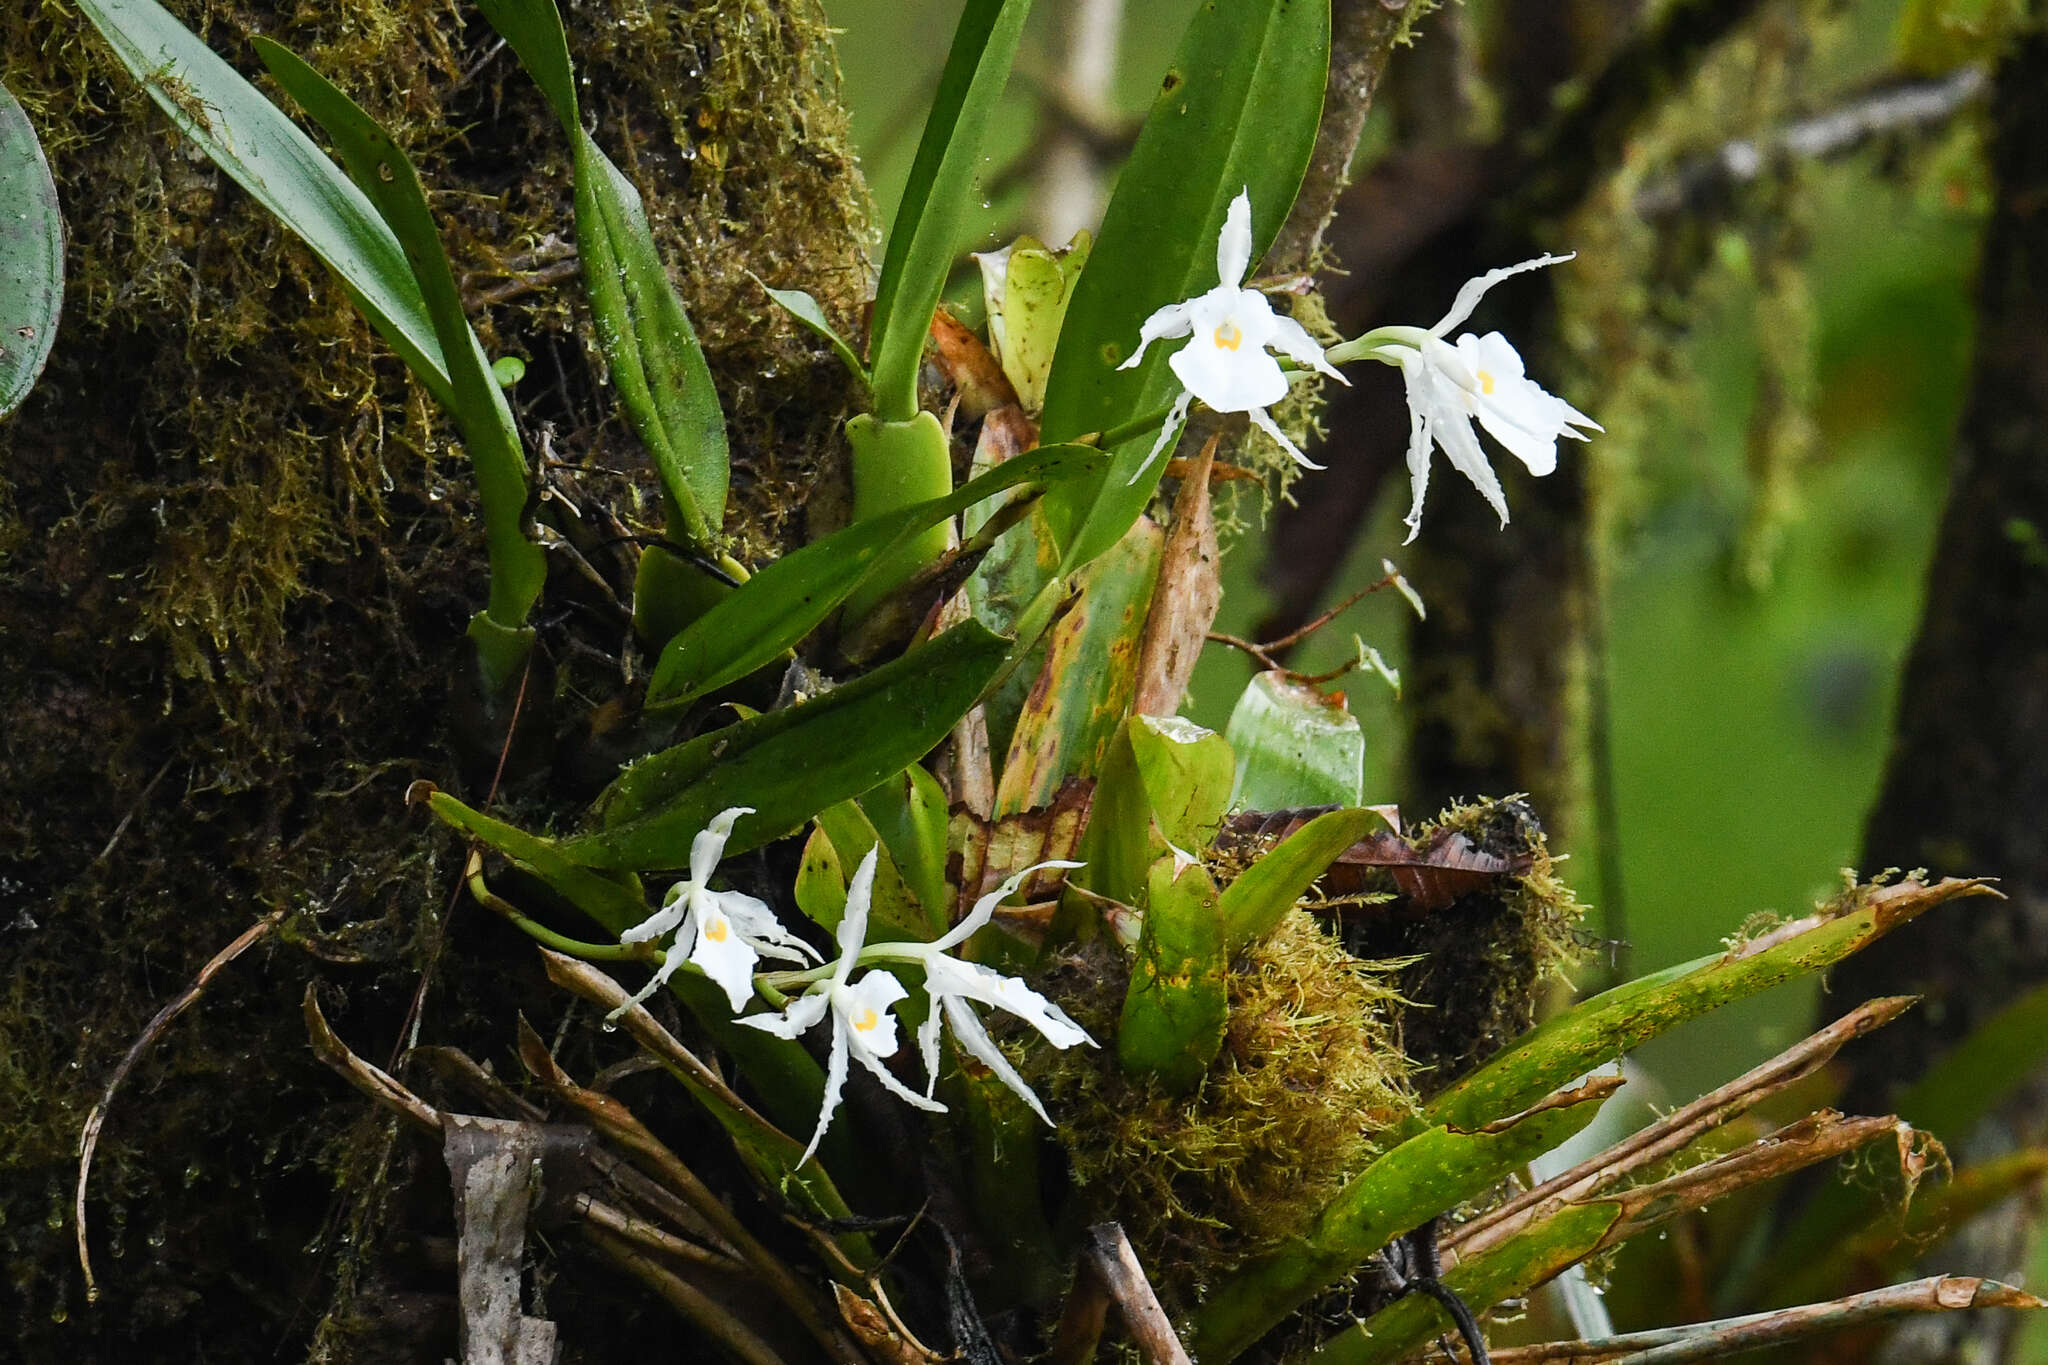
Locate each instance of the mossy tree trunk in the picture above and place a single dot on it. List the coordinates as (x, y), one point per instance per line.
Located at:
(237, 553)
(1967, 782)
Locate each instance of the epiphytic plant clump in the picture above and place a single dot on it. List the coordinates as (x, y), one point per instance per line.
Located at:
(1046, 976)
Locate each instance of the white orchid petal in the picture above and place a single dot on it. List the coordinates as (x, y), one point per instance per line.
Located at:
(1169, 433)
(896, 1087)
(1451, 424)
(970, 1035)
(1475, 290)
(1266, 424)
(985, 908)
(949, 978)
(928, 1049)
(709, 845)
(1292, 340)
(799, 1018)
(1228, 380)
(1234, 243)
(1165, 324)
(673, 909)
(864, 1008)
(835, 1081)
(1420, 441)
(722, 953)
(853, 927)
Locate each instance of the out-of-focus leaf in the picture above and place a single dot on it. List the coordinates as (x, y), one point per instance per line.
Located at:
(1597, 1031)
(1238, 111)
(926, 233)
(1175, 1007)
(792, 596)
(1295, 747)
(266, 154)
(793, 763)
(1027, 288)
(1433, 1171)
(908, 811)
(893, 908)
(384, 173)
(657, 364)
(1084, 690)
(31, 255)
(1268, 889)
(1190, 591)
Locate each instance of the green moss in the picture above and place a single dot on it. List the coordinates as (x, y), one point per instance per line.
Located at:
(1308, 1077)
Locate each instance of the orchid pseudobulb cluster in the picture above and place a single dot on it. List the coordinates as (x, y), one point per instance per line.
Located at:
(723, 934)
(1449, 386)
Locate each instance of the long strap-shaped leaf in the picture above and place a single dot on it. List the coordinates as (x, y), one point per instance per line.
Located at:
(266, 154)
(386, 175)
(657, 363)
(1238, 111)
(926, 232)
(791, 597)
(31, 256)
(789, 765)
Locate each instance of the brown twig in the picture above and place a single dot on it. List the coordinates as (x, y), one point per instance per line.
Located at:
(133, 810)
(1264, 652)
(1110, 1259)
(89, 1135)
(1710, 1340)
(687, 1299)
(522, 284)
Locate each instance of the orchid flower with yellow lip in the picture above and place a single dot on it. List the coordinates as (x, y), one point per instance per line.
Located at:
(1226, 364)
(863, 1029)
(1480, 378)
(722, 933)
(952, 983)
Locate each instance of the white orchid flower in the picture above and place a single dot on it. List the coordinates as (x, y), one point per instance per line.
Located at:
(862, 1027)
(723, 932)
(1226, 364)
(951, 984)
(1480, 377)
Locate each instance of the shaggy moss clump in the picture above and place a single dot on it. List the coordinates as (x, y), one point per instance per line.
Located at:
(1309, 1078)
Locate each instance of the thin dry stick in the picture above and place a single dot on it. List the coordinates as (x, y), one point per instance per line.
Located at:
(1264, 652)
(1674, 1131)
(633, 1228)
(1111, 1258)
(89, 1136)
(689, 1300)
(1754, 1331)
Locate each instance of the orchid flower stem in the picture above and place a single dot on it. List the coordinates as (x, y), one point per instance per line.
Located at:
(1363, 347)
(546, 937)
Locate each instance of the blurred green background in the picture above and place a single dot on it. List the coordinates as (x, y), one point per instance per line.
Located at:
(1750, 716)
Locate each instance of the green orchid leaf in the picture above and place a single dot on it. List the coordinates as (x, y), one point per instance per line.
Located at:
(384, 173)
(788, 599)
(1187, 772)
(791, 764)
(811, 314)
(31, 256)
(1295, 747)
(1085, 688)
(926, 234)
(1268, 889)
(1027, 288)
(894, 910)
(908, 812)
(266, 154)
(1175, 1008)
(1435, 1170)
(657, 364)
(1598, 1030)
(1238, 111)
(896, 465)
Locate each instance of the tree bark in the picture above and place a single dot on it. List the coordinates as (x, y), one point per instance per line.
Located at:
(1967, 781)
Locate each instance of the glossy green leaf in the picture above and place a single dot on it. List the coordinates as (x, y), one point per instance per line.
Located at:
(1084, 690)
(384, 173)
(1268, 889)
(895, 465)
(1175, 1007)
(1432, 1172)
(811, 314)
(926, 234)
(31, 255)
(908, 812)
(1295, 747)
(266, 154)
(657, 364)
(1238, 110)
(1597, 1031)
(792, 596)
(1187, 772)
(791, 764)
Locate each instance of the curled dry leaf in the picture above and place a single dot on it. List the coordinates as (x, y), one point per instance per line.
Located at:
(971, 369)
(1447, 866)
(1185, 602)
(981, 852)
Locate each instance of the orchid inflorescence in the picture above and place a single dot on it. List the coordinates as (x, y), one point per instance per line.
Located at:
(1449, 386)
(724, 934)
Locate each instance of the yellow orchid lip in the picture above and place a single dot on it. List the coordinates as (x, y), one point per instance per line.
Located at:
(1229, 337)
